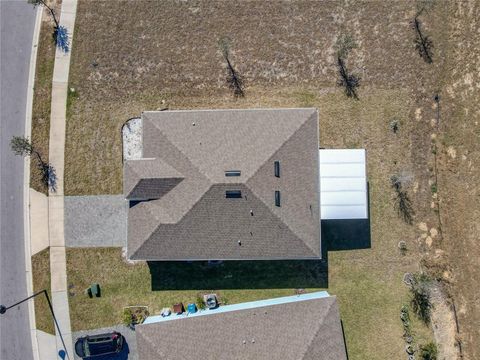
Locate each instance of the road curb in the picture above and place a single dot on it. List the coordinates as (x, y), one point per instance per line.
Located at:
(26, 183)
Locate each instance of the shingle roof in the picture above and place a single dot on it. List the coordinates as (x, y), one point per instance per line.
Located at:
(183, 177)
(300, 330)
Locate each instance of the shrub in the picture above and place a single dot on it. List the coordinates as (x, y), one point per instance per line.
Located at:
(405, 317)
(394, 126)
(402, 245)
(127, 316)
(134, 315)
(429, 351)
(200, 303)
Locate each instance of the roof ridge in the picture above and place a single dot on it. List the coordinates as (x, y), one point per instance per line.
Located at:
(261, 166)
(181, 152)
(319, 325)
(281, 145)
(203, 195)
(186, 158)
(280, 219)
(148, 209)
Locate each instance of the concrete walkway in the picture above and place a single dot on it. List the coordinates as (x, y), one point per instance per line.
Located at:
(58, 264)
(38, 222)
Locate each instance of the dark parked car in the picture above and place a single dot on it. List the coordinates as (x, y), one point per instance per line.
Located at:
(96, 345)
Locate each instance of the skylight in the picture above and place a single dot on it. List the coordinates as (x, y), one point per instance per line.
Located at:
(277, 198)
(233, 194)
(277, 168)
(232, 173)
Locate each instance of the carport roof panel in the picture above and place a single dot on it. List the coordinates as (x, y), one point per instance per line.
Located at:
(343, 184)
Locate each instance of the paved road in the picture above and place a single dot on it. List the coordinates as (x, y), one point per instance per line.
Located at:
(17, 23)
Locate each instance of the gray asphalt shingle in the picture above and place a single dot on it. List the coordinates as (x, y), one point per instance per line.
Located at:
(187, 215)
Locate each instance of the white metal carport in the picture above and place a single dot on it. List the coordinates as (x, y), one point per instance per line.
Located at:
(343, 184)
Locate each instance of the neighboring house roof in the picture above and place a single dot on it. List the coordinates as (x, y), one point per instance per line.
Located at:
(296, 327)
(182, 175)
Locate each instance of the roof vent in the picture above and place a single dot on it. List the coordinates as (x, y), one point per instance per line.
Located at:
(233, 173)
(277, 198)
(233, 194)
(277, 168)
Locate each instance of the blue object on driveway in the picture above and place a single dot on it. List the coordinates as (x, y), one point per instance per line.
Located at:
(192, 308)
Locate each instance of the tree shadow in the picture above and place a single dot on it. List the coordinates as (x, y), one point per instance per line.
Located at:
(259, 274)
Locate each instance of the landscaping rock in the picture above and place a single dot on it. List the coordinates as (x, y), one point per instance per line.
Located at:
(132, 139)
(408, 279)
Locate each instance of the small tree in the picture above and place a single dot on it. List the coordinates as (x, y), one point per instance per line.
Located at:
(23, 147)
(345, 43)
(234, 79)
(60, 33)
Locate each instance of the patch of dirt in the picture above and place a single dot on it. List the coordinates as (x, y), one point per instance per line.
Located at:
(443, 324)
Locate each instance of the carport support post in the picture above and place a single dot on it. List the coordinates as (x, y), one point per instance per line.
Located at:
(3, 310)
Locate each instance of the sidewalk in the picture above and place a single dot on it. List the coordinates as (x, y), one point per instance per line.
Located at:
(58, 265)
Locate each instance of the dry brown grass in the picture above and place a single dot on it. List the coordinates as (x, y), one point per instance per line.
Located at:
(459, 175)
(42, 98)
(136, 56)
(154, 53)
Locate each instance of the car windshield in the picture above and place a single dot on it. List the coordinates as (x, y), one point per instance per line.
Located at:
(102, 345)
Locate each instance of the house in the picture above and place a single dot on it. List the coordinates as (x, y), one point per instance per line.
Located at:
(296, 327)
(225, 185)
(238, 185)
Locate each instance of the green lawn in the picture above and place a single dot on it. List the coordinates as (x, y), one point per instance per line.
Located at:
(163, 284)
(370, 297)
